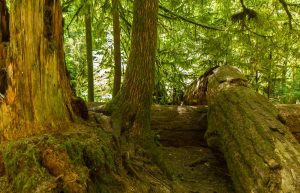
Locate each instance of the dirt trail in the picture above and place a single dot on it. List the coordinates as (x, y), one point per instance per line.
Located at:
(197, 169)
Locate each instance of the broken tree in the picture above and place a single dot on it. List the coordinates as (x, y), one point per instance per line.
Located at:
(261, 153)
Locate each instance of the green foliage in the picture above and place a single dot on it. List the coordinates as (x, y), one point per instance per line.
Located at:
(194, 36)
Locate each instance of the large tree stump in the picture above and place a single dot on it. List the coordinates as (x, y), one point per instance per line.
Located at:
(261, 153)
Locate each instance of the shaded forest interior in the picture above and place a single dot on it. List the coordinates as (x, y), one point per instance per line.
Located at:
(149, 96)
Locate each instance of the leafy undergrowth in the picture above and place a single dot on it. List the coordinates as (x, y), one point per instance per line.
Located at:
(77, 161)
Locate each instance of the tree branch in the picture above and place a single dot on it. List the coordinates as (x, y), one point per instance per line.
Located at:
(285, 6)
(128, 24)
(243, 4)
(257, 34)
(188, 20)
(294, 4)
(76, 14)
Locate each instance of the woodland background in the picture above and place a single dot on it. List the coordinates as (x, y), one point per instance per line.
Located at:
(260, 37)
(50, 141)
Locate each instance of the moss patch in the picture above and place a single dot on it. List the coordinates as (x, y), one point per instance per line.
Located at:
(65, 162)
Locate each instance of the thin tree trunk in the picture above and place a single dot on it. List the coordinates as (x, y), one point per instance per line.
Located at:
(117, 47)
(89, 52)
(131, 107)
(261, 154)
(38, 96)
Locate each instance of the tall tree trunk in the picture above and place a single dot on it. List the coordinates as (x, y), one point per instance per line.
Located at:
(4, 22)
(131, 107)
(117, 47)
(4, 39)
(261, 153)
(4, 33)
(38, 96)
(89, 52)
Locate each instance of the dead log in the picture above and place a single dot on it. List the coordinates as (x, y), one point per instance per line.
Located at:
(179, 126)
(261, 153)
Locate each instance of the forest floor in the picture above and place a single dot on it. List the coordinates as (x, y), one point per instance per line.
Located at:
(197, 169)
(191, 166)
(84, 158)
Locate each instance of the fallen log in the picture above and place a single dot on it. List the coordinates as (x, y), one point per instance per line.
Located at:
(179, 126)
(261, 153)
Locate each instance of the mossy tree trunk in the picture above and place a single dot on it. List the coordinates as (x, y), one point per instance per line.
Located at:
(89, 51)
(261, 153)
(117, 47)
(131, 107)
(38, 97)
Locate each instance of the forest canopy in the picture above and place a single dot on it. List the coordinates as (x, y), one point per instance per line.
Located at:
(260, 37)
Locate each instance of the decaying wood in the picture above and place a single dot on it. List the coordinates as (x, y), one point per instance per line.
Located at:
(261, 153)
(195, 93)
(291, 117)
(179, 125)
(186, 125)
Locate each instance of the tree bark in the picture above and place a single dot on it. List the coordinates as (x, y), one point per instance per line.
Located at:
(4, 38)
(260, 152)
(89, 52)
(4, 22)
(131, 107)
(117, 47)
(38, 96)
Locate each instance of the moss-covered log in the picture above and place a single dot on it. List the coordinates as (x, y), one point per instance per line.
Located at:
(179, 126)
(261, 153)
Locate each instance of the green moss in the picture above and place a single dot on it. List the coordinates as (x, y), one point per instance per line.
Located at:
(23, 166)
(96, 153)
(75, 150)
(90, 151)
(90, 156)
